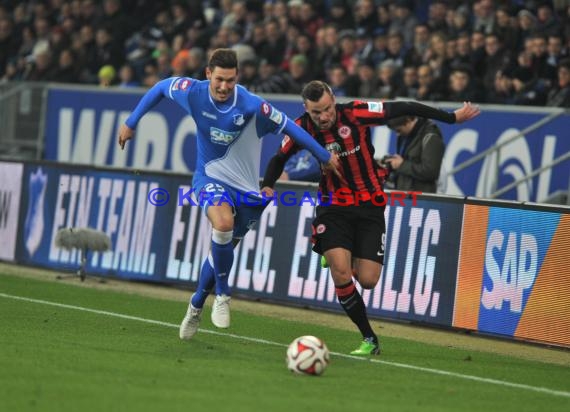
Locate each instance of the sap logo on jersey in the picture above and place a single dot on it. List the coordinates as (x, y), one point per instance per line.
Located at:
(222, 136)
(509, 280)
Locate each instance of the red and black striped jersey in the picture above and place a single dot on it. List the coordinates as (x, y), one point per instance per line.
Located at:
(351, 139)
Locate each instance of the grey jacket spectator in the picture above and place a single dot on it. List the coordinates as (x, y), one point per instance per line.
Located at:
(420, 148)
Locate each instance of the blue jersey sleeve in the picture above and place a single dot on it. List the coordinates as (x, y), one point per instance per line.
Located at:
(270, 120)
(175, 88)
(304, 139)
(180, 90)
(148, 101)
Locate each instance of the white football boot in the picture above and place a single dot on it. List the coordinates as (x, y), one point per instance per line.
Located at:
(221, 311)
(190, 323)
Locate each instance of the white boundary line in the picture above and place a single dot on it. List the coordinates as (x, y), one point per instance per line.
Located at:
(268, 342)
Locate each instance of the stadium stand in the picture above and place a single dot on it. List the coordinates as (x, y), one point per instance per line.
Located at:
(513, 52)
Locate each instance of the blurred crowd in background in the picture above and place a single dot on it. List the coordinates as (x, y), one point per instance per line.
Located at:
(503, 52)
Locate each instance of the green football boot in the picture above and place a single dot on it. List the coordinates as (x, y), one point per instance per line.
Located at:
(367, 347)
(324, 263)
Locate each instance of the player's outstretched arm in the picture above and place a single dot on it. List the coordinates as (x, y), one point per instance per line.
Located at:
(148, 101)
(411, 108)
(273, 171)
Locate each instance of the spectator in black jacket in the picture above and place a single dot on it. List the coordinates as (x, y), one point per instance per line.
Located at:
(66, 69)
(506, 28)
(41, 68)
(560, 96)
(340, 15)
(427, 88)
(496, 59)
(462, 86)
(8, 43)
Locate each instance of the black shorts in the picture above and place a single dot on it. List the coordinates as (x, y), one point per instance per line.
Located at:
(359, 229)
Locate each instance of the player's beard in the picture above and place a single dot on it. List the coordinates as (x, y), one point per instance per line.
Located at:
(325, 125)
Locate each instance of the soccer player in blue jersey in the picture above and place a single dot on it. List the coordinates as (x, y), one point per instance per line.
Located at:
(230, 122)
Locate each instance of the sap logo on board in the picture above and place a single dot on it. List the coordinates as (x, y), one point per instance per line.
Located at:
(511, 266)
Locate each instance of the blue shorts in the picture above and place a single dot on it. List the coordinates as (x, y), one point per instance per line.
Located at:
(247, 207)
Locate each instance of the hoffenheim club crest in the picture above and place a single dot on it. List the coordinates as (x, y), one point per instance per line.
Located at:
(238, 119)
(34, 224)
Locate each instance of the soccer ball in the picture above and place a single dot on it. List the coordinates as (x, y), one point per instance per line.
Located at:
(307, 355)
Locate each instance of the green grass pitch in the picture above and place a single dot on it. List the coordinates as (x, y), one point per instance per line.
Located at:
(66, 348)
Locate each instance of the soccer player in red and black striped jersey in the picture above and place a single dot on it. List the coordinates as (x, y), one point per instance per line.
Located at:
(349, 227)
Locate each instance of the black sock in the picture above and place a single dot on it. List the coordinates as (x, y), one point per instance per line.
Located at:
(352, 303)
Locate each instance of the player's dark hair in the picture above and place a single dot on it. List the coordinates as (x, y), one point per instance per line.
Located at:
(314, 90)
(223, 58)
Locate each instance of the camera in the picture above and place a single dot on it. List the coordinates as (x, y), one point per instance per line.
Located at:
(385, 163)
(390, 182)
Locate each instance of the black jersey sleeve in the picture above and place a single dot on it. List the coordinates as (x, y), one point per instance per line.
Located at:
(408, 108)
(274, 169)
